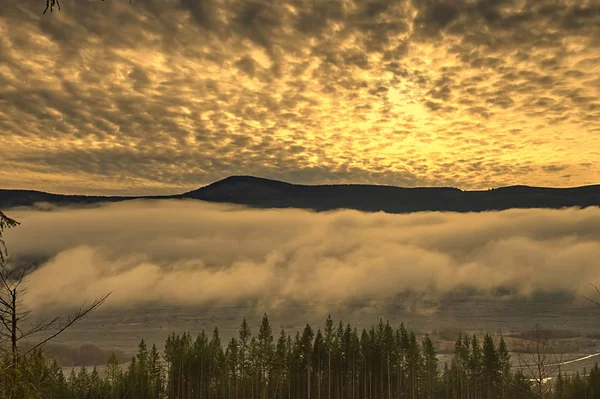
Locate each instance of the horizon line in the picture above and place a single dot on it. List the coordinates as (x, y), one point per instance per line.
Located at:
(301, 185)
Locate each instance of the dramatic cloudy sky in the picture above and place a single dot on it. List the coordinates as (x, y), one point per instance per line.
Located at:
(166, 95)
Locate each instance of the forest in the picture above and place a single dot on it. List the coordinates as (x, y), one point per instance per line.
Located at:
(338, 361)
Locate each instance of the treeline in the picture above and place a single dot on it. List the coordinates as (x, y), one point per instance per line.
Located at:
(586, 386)
(336, 362)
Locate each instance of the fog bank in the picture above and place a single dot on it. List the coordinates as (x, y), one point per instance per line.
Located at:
(194, 253)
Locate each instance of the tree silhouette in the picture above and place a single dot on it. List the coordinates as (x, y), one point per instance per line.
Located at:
(14, 316)
(539, 361)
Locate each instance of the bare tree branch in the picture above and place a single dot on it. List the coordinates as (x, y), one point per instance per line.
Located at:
(537, 362)
(51, 4)
(5, 223)
(595, 302)
(40, 327)
(12, 312)
(70, 321)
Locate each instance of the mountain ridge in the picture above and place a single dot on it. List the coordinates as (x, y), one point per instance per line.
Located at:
(267, 193)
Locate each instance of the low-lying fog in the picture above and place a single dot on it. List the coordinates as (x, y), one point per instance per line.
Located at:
(186, 265)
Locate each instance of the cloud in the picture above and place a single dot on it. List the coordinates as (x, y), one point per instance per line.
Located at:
(187, 253)
(165, 96)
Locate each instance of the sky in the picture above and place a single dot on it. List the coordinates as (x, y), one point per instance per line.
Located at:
(164, 96)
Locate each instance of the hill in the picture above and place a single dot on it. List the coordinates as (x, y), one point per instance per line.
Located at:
(265, 193)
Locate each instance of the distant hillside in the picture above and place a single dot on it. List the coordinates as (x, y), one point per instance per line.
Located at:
(265, 193)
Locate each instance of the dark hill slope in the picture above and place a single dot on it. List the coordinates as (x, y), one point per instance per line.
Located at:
(265, 193)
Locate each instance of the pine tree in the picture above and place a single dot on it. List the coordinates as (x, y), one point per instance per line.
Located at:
(431, 365)
(594, 382)
(491, 373)
(329, 347)
(414, 366)
(462, 355)
(280, 363)
(82, 383)
(142, 376)
(447, 376)
(388, 345)
(155, 374)
(317, 360)
(59, 387)
(504, 365)
(338, 338)
(254, 371)
(72, 383)
(306, 345)
(365, 347)
(95, 384)
(559, 387)
(202, 359)
(296, 366)
(217, 363)
(232, 355)
(355, 354)
(402, 343)
(244, 337)
(346, 348)
(265, 339)
(113, 376)
(475, 367)
(290, 360)
(130, 380)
